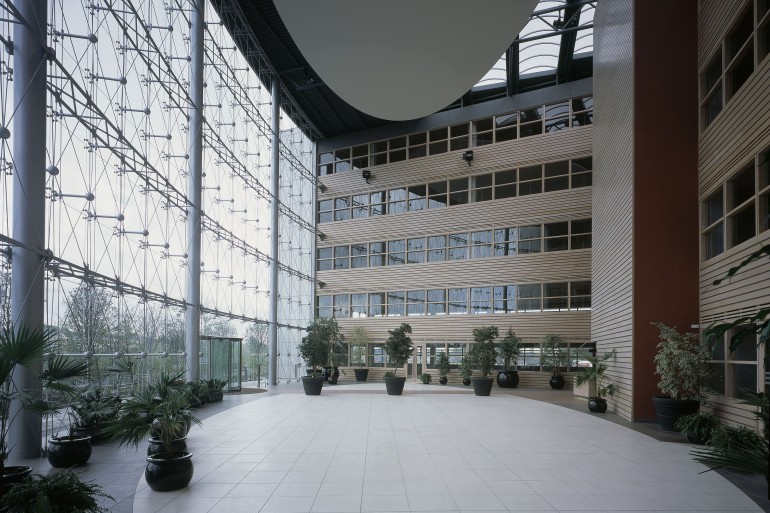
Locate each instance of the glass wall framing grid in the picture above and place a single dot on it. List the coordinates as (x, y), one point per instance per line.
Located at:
(735, 59)
(529, 359)
(734, 372)
(739, 209)
(489, 299)
(546, 118)
(520, 181)
(498, 242)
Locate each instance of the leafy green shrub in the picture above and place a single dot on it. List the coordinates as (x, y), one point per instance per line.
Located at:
(62, 492)
(483, 352)
(554, 357)
(442, 365)
(698, 426)
(510, 349)
(425, 378)
(399, 345)
(682, 365)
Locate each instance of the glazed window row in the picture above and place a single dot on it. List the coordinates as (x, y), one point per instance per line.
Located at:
(518, 240)
(548, 118)
(527, 297)
(553, 176)
(739, 209)
(735, 59)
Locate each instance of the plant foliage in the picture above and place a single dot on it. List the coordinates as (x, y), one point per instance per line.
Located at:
(62, 492)
(466, 367)
(510, 349)
(682, 365)
(426, 378)
(483, 353)
(359, 345)
(399, 345)
(317, 346)
(698, 426)
(442, 365)
(554, 357)
(597, 374)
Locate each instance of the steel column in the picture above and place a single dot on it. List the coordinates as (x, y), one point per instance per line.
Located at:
(194, 192)
(274, 204)
(29, 138)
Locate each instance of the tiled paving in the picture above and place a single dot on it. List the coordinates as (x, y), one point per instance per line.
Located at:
(356, 449)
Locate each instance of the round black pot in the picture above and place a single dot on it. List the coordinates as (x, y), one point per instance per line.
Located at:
(167, 474)
(466, 381)
(482, 386)
(65, 451)
(361, 374)
(156, 446)
(332, 374)
(443, 380)
(597, 405)
(12, 476)
(394, 386)
(313, 384)
(669, 410)
(556, 382)
(508, 379)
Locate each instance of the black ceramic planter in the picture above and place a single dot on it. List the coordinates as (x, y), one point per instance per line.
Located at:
(556, 382)
(65, 451)
(96, 432)
(361, 374)
(597, 405)
(466, 381)
(669, 410)
(395, 386)
(482, 386)
(443, 380)
(11, 476)
(155, 446)
(332, 374)
(508, 379)
(313, 384)
(167, 474)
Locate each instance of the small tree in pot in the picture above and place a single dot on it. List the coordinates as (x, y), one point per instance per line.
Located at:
(597, 374)
(510, 349)
(443, 366)
(682, 365)
(484, 356)
(399, 348)
(554, 359)
(314, 349)
(359, 349)
(466, 369)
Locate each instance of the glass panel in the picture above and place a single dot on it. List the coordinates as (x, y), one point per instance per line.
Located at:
(507, 134)
(744, 379)
(458, 301)
(438, 134)
(418, 151)
(457, 130)
(583, 164)
(742, 186)
(419, 138)
(416, 197)
(505, 242)
(557, 168)
(341, 306)
(502, 177)
(358, 305)
(358, 256)
(415, 302)
(458, 246)
(398, 142)
(437, 147)
(555, 229)
(743, 225)
(325, 306)
(582, 180)
(715, 244)
(376, 304)
(713, 74)
(482, 244)
(741, 33)
(378, 147)
(376, 254)
(395, 304)
(556, 244)
(504, 299)
(481, 181)
(530, 173)
(580, 288)
(397, 155)
(481, 298)
(714, 208)
(396, 252)
(581, 226)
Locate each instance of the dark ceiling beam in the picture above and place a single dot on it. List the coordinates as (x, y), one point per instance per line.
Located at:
(567, 48)
(512, 68)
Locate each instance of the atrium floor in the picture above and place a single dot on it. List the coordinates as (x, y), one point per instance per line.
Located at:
(356, 449)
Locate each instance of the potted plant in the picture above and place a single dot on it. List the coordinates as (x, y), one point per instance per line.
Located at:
(466, 370)
(62, 492)
(359, 348)
(314, 349)
(597, 374)
(216, 387)
(92, 410)
(554, 359)
(59, 394)
(682, 366)
(161, 411)
(398, 347)
(483, 354)
(510, 349)
(697, 427)
(443, 366)
(21, 346)
(426, 378)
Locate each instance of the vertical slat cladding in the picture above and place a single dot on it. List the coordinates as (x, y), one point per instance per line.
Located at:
(611, 320)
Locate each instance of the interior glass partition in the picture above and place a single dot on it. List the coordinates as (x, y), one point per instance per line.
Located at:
(221, 358)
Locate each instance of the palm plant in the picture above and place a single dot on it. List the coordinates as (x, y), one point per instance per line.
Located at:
(597, 374)
(24, 346)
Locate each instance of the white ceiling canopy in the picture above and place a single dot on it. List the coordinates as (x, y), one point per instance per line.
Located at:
(402, 59)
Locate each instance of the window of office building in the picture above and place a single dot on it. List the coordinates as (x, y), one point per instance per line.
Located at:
(415, 302)
(437, 194)
(556, 236)
(735, 372)
(458, 246)
(436, 301)
(457, 301)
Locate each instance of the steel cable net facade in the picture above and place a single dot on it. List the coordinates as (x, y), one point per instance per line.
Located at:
(117, 196)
